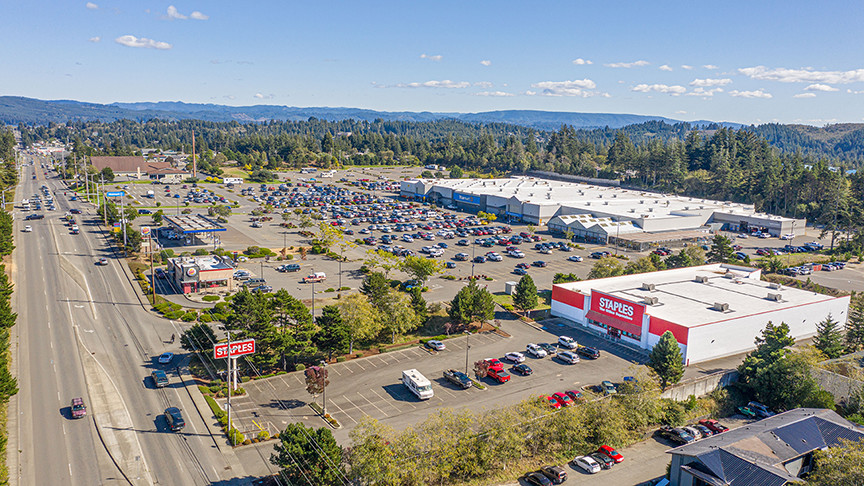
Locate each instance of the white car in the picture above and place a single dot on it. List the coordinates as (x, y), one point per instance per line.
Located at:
(514, 357)
(546, 251)
(517, 254)
(587, 464)
(166, 358)
(743, 236)
(436, 345)
(407, 238)
(567, 342)
(494, 257)
(567, 357)
(575, 258)
(28, 229)
(536, 351)
(787, 236)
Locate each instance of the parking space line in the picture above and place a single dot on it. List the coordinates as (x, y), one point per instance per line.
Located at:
(388, 402)
(287, 386)
(343, 412)
(370, 403)
(335, 370)
(358, 364)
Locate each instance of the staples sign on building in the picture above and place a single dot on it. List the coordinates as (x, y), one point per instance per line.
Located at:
(238, 348)
(620, 309)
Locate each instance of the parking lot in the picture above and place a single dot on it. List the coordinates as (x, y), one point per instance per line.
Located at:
(372, 386)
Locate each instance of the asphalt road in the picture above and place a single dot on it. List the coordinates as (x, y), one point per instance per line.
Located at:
(82, 332)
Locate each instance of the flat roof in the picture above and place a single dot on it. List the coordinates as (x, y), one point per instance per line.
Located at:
(204, 262)
(687, 302)
(193, 223)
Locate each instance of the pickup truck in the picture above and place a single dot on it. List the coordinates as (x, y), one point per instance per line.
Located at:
(315, 277)
(160, 379)
(498, 374)
(458, 378)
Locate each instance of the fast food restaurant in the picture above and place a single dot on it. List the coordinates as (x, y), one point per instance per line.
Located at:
(712, 310)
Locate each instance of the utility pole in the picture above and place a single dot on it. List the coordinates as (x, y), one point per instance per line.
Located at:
(152, 272)
(104, 202)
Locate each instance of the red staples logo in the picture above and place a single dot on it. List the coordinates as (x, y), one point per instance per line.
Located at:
(618, 309)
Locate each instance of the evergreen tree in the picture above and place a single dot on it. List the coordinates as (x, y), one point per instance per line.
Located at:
(199, 337)
(829, 339)
(666, 360)
(471, 304)
(525, 294)
(721, 250)
(375, 288)
(418, 303)
(855, 324)
(309, 457)
(333, 335)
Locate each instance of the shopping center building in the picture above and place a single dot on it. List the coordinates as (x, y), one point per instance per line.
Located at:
(596, 213)
(712, 310)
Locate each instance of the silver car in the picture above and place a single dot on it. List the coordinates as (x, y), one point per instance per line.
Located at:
(587, 464)
(568, 357)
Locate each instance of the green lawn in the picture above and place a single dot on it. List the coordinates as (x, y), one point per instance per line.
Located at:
(543, 302)
(234, 172)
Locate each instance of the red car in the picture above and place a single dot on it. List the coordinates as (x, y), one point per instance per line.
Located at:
(563, 399)
(552, 402)
(610, 453)
(494, 363)
(713, 425)
(498, 374)
(574, 395)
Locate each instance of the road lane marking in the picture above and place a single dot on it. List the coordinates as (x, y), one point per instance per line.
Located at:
(70, 469)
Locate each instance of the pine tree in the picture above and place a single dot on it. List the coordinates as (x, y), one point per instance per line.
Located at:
(855, 324)
(666, 360)
(721, 250)
(375, 287)
(418, 303)
(525, 294)
(333, 336)
(829, 339)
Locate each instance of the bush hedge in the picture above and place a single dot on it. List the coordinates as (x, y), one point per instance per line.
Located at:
(210, 298)
(189, 316)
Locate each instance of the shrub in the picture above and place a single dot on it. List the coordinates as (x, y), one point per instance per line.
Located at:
(214, 388)
(247, 442)
(200, 252)
(331, 289)
(176, 307)
(210, 298)
(245, 379)
(174, 315)
(189, 316)
(203, 389)
(299, 367)
(345, 288)
(236, 437)
(263, 435)
(205, 318)
(340, 359)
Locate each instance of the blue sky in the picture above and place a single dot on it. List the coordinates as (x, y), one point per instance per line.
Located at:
(750, 62)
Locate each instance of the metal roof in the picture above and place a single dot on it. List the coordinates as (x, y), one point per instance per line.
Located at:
(193, 223)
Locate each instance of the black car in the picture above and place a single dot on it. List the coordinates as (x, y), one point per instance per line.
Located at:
(587, 352)
(75, 211)
(523, 369)
(174, 419)
(34, 216)
(480, 259)
(538, 479)
(605, 461)
(675, 434)
(599, 254)
(556, 473)
(539, 263)
(549, 348)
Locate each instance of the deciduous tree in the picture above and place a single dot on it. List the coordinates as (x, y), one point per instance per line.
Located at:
(421, 268)
(839, 465)
(606, 267)
(361, 318)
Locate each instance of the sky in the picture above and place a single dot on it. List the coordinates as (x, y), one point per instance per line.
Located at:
(741, 61)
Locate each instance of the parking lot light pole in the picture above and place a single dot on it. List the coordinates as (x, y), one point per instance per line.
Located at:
(324, 399)
(467, 347)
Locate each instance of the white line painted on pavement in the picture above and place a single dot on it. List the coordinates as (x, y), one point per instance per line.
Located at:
(370, 403)
(70, 469)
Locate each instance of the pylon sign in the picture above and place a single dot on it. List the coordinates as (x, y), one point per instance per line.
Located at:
(238, 348)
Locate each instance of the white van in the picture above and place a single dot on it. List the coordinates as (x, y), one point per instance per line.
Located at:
(418, 384)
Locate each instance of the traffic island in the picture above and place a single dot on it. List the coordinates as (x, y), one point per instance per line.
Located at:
(326, 416)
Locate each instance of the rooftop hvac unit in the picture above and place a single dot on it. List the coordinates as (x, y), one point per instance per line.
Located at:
(632, 210)
(775, 297)
(614, 195)
(775, 286)
(701, 279)
(650, 300)
(641, 201)
(650, 210)
(605, 203)
(720, 306)
(648, 286)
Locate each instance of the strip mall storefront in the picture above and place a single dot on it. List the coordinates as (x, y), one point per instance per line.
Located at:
(619, 319)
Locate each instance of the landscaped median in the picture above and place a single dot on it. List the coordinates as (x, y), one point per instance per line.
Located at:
(235, 437)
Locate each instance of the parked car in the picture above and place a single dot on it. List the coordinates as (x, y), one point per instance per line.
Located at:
(761, 410)
(514, 357)
(563, 399)
(588, 352)
(436, 345)
(522, 369)
(535, 350)
(28, 229)
(567, 342)
(696, 433)
(714, 425)
(605, 461)
(498, 374)
(174, 419)
(520, 271)
(610, 453)
(551, 402)
(538, 479)
(705, 431)
(567, 357)
(549, 348)
(575, 395)
(575, 258)
(587, 464)
(291, 267)
(675, 434)
(539, 263)
(458, 378)
(555, 473)
(608, 387)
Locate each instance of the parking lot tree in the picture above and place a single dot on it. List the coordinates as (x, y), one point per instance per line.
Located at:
(295, 325)
(309, 457)
(130, 214)
(531, 228)
(418, 304)
(606, 267)
(361, 317)
(421, 268)
(397, 315)
(721, 250)
(642, 265)
(252, 316)
(525, 294)
(305, 222)
(828, 338)
(333, 334)
(471, 304)
(107, 174)
(375, 287)
(456, 172)
(481, 368)
(666, 360)
(157, 217)
(384, 260)
(199, 337)
(855, 324)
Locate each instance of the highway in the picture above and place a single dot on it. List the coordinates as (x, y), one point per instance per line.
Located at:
(82, 332)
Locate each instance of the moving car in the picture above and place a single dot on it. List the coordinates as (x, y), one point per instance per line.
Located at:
(174, 419)
(103, 261)
(436, 345)
(166, 358)
(160, 379)
(78, 409)
(587, 464)
(610, 453)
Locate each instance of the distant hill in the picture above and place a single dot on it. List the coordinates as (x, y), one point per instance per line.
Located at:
(14, 110)
(844, 141)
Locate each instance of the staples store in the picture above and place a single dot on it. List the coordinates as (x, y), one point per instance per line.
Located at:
(712, 310)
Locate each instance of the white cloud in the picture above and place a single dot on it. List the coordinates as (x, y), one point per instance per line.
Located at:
(805, 95)
(261, 96)
(446, 83)
(673, 90)
(483, 84)
(95, 39)
(91, 5)
(627, 64)
(806, 75)
(530, 93)
(854, 92)
(198, 16)
(680, 112)
(710, 67)
(580, 62)
(229, 97)
(486, 62)
(705, 93)
(665, 67)
(174, 14)
(436, 57)
(820, 87)
(132, 41)
(750, 94)
(686, 66)
(494, 93)
(708, 82)
(577, 87)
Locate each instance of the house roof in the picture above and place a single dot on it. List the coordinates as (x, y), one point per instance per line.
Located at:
(755, 453)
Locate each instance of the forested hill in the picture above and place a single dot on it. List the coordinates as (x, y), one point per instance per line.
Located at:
(842, 141)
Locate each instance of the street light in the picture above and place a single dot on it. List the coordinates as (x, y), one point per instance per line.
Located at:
(467, 347)
(324, 387)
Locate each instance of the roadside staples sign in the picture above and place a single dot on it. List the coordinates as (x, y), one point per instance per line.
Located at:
(238, 348)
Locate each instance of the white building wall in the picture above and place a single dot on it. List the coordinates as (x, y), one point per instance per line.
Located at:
(569, 312)
(738, 335)
(673, 223)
